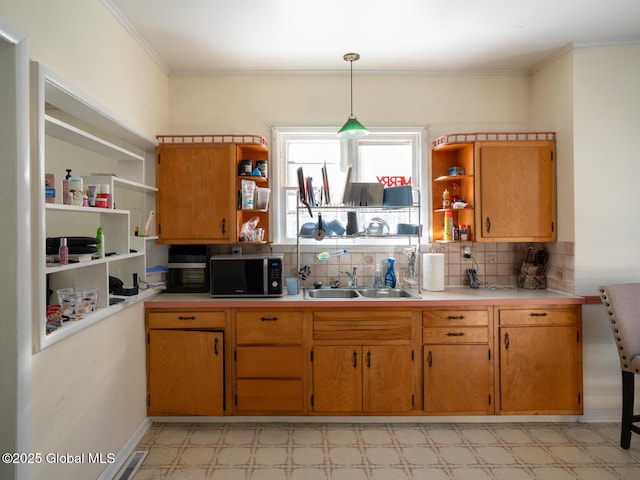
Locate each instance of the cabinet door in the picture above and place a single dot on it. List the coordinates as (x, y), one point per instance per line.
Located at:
(196, 195)
(517, 191)
(185, 372)
(337, 378)
(458, 379)
(387, 385)
(540, 370)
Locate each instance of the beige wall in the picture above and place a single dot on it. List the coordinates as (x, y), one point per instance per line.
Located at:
(254, 103)
(607, 165)
(84, 43)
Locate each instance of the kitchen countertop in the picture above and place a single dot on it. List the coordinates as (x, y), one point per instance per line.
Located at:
(453, 296)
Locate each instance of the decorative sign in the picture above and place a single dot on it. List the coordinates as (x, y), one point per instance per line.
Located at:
(394, 181)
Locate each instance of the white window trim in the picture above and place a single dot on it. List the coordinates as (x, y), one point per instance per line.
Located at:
(422, 171)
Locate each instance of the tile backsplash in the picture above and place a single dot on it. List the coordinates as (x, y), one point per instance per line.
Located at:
(496, 263)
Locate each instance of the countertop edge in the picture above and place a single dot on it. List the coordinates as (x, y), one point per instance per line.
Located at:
(453, 297)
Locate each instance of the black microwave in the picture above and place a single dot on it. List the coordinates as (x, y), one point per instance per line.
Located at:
(188, 269)
(246, 276)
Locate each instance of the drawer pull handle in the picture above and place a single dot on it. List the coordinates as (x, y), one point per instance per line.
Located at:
(430, 359)
(506, 341)
(181, 317)
(216, 352)
(269, 319)
(538, 314)
(355, 359)
(455, 334)
(488, 224)
(455, 317)
(368, 359)
(223, 225)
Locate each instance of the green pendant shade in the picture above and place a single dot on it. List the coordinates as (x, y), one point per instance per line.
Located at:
(353, 128)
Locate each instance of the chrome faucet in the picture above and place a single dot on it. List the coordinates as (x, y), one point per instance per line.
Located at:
(353, 278)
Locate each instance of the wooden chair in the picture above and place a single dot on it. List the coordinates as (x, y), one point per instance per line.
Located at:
(623, 310)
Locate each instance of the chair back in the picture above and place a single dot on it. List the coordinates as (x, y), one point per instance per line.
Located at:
(623, 310)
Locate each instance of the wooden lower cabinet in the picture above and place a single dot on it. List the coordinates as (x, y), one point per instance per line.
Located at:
(457, 380)
(269, 362)
(470, 360)
(185, 372)
(185, 362)
(540, 360)
(363, 362)
(371, 379)
(458, 362)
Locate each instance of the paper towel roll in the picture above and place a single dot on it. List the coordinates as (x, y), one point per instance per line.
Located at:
(433, 272)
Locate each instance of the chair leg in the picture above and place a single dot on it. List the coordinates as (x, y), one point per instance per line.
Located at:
(628, 386)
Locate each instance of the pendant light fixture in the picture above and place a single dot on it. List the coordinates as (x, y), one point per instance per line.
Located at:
(353, 128)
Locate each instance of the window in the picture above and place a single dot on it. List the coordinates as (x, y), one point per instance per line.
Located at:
(392, 156)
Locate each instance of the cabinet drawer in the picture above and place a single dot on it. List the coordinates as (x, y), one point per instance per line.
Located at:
(274, 362)
(540, 316)
(452, 334)
(362, 326)
(455, 318)
(185, 320)
(269, 395)
(269, 327)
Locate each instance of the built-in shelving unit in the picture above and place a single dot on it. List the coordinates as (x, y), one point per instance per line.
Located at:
(70, 130)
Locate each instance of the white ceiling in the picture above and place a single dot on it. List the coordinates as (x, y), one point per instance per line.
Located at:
(433, 36)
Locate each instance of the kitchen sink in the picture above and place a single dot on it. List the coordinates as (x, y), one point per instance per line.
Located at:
(387, 293)
(358, 293)
(331, 293)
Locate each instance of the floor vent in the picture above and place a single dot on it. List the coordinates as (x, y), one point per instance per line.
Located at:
(135, 460)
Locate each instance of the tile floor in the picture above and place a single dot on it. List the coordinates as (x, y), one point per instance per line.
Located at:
(379, 451)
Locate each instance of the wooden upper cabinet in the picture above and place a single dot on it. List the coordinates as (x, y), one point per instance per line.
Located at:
(516, 191)
(196, 194)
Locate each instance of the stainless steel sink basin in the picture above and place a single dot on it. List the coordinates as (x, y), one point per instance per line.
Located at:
(358, 293)
(387, 293)
(331, 293)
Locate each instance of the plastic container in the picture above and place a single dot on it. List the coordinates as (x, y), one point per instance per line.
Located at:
(262, 198)
(245, 167)
(76, 303)
(377, 281)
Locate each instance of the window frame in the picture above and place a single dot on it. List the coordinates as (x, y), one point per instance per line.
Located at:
(348, 150)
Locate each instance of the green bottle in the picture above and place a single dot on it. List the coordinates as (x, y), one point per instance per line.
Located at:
(100, 237)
